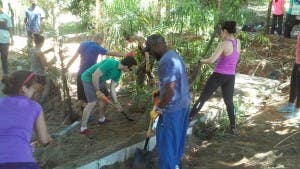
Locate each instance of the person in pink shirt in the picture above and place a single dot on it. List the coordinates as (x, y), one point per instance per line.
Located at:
(226, 57)
(277, 11)
(294, 88)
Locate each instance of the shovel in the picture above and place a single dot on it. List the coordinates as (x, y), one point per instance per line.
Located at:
(143, 157)
(104, 98)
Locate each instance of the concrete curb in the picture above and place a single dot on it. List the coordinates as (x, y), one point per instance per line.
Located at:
(125, 153)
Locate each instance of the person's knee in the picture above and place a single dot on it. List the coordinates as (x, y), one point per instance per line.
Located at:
(91, 104)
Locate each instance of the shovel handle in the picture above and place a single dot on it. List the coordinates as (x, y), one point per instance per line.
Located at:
(146, 147)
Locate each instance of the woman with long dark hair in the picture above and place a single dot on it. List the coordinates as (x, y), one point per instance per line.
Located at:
(227, 56)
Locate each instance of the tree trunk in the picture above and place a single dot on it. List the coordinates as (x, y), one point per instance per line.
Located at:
(98, 15)
(268, 18)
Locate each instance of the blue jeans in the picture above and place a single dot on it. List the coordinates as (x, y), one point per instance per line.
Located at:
(171, 136)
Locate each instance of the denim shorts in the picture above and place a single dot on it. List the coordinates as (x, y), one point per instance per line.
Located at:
(90, 91)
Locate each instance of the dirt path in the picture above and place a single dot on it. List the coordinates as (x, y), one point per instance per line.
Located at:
(254, 147)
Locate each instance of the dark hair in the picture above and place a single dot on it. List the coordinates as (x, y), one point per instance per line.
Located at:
(154, 40)
(128, 61)
(14, 82)
(38, 39)
(230, 26)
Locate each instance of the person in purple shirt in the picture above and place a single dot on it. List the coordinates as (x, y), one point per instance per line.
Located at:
(20, 114)
(227, 56)
(89, 52)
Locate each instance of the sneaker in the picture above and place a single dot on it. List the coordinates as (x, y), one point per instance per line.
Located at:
(234, 131)
(297, 112)
(104, 122)
(288, 108)
(86, 132)
(294, 114)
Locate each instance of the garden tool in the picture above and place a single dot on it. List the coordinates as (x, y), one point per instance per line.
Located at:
(104, 98)
(58, 134)
(143, 157)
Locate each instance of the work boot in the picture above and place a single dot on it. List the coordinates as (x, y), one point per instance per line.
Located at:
(287, 108)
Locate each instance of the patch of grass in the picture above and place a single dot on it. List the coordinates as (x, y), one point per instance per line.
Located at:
(71, 27)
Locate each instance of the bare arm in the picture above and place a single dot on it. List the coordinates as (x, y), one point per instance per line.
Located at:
(113, 86)
(113, 53)
(147, 62)
(72, 60)
(215, 55)
(41, 130)
(43, 60)
(95, 79)
(11, 36)
(167, 95)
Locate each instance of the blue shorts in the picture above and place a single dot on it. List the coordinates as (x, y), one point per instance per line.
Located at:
(90, 91)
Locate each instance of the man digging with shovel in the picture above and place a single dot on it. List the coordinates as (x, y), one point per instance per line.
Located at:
(94, 85)
(174, 103)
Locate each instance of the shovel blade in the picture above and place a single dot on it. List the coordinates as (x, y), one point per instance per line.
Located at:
(142, 159)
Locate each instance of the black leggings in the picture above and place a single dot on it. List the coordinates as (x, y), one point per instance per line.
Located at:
(295, 85)
(277, 20)
(4, 54)
(227, 85)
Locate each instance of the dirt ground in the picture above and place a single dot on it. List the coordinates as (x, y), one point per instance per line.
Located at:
(252, 149)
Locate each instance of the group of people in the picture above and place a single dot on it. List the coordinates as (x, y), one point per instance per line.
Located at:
(33, 20)
(21, 112)
(25, 87)
(292, 16)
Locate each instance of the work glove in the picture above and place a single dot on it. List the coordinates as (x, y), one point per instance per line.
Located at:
(153, 114)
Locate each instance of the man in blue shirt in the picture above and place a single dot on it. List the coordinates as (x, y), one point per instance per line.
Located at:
(174, 103)
(89, 52)
(33, 20)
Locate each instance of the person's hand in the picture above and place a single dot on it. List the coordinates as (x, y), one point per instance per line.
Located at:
(158, 110)
(119, 107)
(153, 114)
(131, 54)
(12, 42)
(155, 97)
(100, 95)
